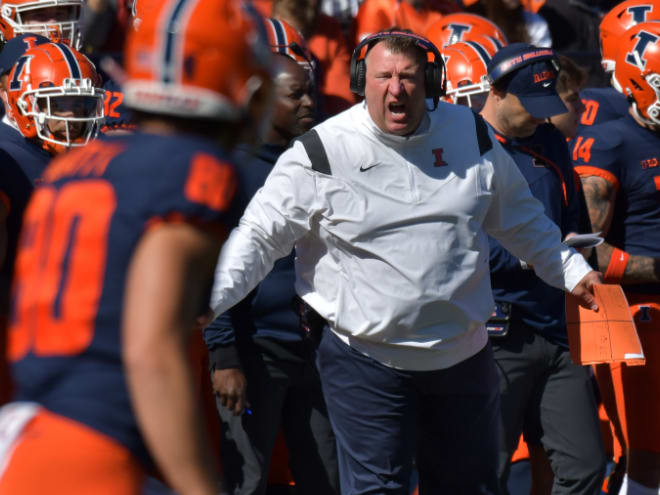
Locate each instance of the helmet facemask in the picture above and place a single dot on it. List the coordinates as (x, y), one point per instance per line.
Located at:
(470, 95)
(65, 116)
(63, 28)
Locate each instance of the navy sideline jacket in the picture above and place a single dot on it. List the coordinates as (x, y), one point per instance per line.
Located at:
(267, 313)
(545, 163)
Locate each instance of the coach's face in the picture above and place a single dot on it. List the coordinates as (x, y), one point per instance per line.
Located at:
(394, 89)
(514, 120)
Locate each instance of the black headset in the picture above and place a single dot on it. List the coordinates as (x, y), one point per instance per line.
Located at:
(520, 60)
(435, 83)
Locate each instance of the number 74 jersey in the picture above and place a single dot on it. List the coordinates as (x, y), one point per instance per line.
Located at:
(79, 232)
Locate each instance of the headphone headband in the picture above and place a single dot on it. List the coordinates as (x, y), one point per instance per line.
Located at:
(521, 60)
(421, 42)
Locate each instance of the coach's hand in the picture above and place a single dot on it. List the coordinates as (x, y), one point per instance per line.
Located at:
(231, 386)
(584, 290)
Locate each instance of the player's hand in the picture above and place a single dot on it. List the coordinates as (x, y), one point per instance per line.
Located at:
(231, 386)
(584, 290)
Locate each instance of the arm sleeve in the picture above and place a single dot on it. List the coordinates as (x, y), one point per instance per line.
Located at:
(277, 216)
(220, 339)
(517, 220)
(221, 334)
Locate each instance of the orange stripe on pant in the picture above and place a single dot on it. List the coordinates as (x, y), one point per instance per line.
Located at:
(59, 456)
(631, 394)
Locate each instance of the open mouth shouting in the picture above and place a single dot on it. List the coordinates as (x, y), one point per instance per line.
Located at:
(397, 110)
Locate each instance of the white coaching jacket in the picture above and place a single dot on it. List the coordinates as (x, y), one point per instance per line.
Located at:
(391, 247)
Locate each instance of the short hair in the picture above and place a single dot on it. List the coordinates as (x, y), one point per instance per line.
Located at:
(400, 44)
(570, 74)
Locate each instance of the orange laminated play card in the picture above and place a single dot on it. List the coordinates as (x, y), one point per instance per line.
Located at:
(604, 336)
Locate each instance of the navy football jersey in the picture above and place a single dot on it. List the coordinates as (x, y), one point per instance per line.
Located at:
(628, 157)
(601, 105)
(117, 114)
(22, 164)
(31, 157)
(544, 162)
(79, 233)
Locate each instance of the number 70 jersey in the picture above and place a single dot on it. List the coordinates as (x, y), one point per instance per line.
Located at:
(79, 232)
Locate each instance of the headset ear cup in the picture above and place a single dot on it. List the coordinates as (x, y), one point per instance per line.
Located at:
(428, 79)
(358, 77)
(433, 80)
(353, 70)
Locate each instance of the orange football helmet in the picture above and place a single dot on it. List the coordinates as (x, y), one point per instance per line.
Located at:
(286, 40)
(462, 27)
(467, 75)
(53, 96)
(57, 20)
(637, 70)
(195, 59)
(622, 17)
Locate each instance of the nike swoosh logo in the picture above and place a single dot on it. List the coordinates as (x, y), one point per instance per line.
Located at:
(364, 169)
(545, 85)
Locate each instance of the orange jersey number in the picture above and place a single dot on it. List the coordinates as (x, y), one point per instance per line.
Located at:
(590, 112)
(60, 268)
(582, 149)
(112, 100)
(210, 182)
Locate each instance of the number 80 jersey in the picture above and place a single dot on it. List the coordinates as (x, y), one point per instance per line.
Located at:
(79, 232)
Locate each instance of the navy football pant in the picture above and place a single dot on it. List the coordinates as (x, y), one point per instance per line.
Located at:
(383, 418)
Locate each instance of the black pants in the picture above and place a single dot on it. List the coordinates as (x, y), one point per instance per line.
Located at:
(552, 400)
(383, 418)
(282, 393)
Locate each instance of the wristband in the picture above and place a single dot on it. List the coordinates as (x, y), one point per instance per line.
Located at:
(616, 267)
